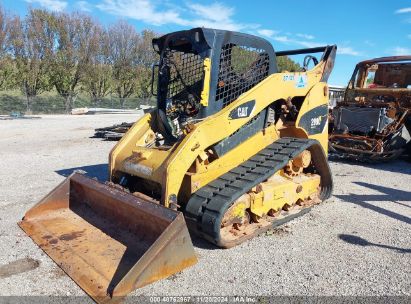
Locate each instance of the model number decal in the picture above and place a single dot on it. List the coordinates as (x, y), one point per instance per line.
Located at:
(315, 122)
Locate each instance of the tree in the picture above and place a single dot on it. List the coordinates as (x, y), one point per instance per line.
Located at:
(32, 42)
(3, 31)
(286, 64)
(97, 79)
(124, 43)
(146, 58)
(6, 61)
(76, 38)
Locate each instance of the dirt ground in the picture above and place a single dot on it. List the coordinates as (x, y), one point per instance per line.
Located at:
(357, 243)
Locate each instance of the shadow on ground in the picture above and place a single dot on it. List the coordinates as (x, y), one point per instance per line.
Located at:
(386, 194)
(202, 243)
(99, 171)
(356, 240)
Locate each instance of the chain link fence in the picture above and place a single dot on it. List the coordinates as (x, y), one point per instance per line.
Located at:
(14, 102)
(48, 103)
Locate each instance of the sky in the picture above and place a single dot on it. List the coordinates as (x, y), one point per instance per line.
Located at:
(361, 29)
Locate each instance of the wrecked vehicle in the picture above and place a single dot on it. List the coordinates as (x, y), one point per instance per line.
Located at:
(373, 121)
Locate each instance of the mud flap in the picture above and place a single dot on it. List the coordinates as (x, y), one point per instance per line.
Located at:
(108, 241)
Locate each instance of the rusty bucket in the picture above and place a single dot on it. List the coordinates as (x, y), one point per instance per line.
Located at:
(108, 241)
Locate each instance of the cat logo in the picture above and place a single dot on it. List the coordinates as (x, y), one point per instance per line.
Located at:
(242, 111)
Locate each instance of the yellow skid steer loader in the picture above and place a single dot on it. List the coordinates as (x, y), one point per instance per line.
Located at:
(233, 148)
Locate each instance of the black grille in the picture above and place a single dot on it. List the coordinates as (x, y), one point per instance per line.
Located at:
(186, 69)
(241, 68)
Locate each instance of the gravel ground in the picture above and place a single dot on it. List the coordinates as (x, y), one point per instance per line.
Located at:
(357, 243)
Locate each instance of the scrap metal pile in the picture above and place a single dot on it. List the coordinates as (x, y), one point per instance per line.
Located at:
(373, 122)
(114, 132)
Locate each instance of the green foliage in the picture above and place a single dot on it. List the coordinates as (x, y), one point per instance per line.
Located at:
(97, 78)
(77, 42)
(242, 58)
(7, 66)
(61, 60)
(146, 58)
(74, 56)
(8, 73)
(286, 64)
(31, 43)
(124, 42)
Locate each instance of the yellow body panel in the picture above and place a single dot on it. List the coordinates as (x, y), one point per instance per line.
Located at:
(145, 162)
(279, 190)
(206, 89)
(135, 137)
(317, 96)
(169, 170)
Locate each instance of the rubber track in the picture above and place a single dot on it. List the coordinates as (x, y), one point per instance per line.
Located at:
(206, 207)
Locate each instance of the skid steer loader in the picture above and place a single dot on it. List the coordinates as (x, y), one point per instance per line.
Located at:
(234, 147)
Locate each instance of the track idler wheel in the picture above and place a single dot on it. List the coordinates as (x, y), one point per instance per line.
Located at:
(296, 165)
